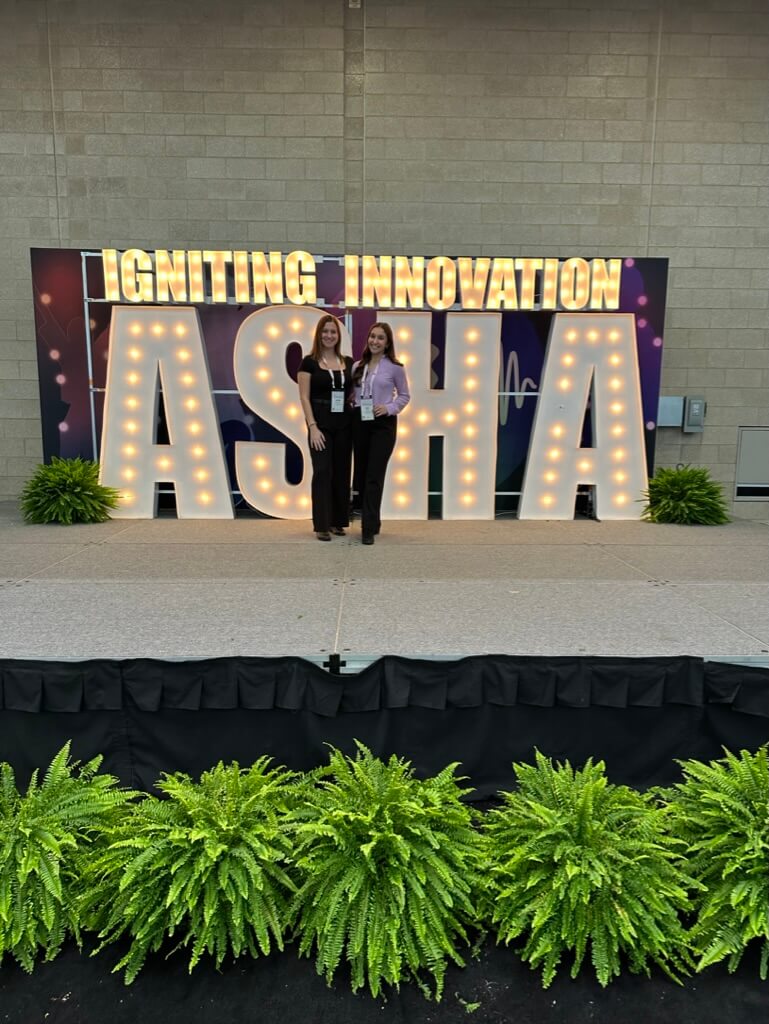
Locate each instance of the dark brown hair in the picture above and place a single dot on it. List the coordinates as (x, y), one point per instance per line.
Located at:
(389, 351)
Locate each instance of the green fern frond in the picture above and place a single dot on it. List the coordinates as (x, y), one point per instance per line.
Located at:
(388, 865)
(574, 863)
(721, 812)
(46, 836)
(212, 861)
(687, 495)
(67, 491)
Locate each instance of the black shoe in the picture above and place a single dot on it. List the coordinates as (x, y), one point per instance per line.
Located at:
(337, 531)
(367, 538)
(323, 535)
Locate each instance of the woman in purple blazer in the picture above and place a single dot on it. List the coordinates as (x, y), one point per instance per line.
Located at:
(380, 392)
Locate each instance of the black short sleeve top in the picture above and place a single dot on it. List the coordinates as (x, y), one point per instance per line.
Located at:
(320, 391)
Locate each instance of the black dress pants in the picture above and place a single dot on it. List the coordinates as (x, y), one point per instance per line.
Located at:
(373, 442)
(331, 479)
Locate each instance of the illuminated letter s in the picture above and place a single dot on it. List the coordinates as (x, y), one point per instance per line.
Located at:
(264, 384)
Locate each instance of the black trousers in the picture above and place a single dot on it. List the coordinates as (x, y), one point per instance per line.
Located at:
(331, 479)
(373, 443)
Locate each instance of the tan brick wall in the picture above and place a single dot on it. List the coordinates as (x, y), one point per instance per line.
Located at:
(519, 127)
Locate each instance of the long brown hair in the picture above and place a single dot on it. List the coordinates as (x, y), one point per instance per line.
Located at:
(389, 351)
(315, 352)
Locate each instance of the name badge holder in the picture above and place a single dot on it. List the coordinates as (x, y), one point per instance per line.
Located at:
(367, 404)
(337, 393)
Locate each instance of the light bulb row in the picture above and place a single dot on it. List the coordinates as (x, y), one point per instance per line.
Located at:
(593, 335)
(468, 475)
(556, 454)
(157, 329)
(548, 500)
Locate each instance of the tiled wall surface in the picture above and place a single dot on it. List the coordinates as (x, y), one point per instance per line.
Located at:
(515, 127)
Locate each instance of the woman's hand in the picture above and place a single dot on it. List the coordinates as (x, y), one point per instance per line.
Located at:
(317, 440)
(381, 410)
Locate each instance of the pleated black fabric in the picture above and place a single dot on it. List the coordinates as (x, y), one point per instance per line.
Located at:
(147, 716)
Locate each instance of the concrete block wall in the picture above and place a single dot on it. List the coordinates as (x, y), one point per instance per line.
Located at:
(520, 127)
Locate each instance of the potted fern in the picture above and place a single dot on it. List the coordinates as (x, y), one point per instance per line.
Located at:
(573, 863)
(721, 811)
(687, 495)
(209, 863)
(67, 491)
(387, 869)
(45, 838)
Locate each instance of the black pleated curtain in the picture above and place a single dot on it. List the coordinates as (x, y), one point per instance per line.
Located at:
(148, 716)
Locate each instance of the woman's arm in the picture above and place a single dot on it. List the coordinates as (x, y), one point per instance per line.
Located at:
(403, 396)
(317, 440)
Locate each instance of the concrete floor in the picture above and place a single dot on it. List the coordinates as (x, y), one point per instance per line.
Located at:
(170, 589)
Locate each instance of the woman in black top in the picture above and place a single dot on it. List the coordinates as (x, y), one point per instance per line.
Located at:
(325, 383)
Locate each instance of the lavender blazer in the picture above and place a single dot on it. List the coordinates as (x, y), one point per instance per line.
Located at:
(389, 387)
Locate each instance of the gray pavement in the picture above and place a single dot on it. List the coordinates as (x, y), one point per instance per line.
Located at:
(171, 589)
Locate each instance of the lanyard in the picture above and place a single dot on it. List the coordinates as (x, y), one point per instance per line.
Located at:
(365, 377)
(331, 375)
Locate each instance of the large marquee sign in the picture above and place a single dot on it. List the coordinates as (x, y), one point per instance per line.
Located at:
(534, 381)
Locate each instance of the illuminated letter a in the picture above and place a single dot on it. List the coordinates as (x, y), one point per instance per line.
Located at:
(589, 356)
(150, 346)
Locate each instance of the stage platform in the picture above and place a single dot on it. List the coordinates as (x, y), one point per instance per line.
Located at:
(255, 587)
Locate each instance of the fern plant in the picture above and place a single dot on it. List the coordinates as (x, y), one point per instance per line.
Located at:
(686, 495)
(67, 491)
(388, 864)
(44, 838)
(573, 861)
(208, 863)
(721, 810)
